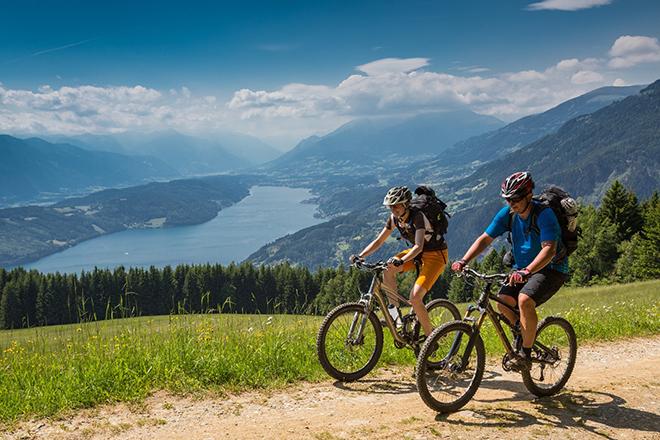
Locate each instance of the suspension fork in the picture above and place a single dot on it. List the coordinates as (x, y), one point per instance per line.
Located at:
(367, 301)
(476, 326)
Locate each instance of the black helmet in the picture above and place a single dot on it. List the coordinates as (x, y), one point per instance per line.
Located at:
(397, 195)
(517, 185)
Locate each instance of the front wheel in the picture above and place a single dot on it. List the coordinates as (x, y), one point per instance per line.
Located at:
(449, 375)
(349, 342)
(553, 357)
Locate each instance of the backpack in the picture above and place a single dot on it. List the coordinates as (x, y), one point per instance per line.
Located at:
(433, 208)
(566, 211)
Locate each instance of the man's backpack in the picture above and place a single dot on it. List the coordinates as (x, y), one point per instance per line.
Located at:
(433, 208)
(566, 211)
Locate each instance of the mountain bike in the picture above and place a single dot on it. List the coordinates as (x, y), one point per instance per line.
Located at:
(451, 361)
(350, 339)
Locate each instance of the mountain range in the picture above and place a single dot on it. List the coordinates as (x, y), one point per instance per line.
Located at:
(189, 155)
(369, 143)
(524, 131)
(32, 167)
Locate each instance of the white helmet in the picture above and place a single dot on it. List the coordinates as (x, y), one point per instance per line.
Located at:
(397, 195)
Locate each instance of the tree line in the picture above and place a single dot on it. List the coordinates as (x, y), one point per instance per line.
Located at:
(620, 243)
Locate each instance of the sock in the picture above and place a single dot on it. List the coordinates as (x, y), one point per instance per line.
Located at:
(527, 351)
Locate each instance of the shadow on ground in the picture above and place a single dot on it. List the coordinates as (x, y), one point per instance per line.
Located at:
(586, 410)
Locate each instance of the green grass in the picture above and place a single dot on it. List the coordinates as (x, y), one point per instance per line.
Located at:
(47, 370)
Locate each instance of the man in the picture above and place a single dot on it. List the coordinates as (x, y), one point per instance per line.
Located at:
(535, 236)
(427, 248)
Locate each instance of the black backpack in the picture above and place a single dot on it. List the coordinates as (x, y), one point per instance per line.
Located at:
(433, 208)
(565, 209)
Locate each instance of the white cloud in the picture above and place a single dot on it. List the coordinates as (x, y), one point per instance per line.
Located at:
(574, 64)
(628, 51)
(586, 77)
(567, 5)
(72, 110)
(382, 87)
(525, 76)
(478, 70)
(619, 83)
(393, 65)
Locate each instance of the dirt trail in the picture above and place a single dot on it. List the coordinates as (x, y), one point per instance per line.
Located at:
(614, 393)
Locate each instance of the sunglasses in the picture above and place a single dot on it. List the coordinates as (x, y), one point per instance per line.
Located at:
(515, 199)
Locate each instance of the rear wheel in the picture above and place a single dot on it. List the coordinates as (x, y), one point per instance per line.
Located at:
(441, 311)
(553, 357)
(448, 377)
(349, 342)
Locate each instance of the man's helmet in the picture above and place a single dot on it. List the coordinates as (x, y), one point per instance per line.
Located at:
(517, 185)
(396, 195)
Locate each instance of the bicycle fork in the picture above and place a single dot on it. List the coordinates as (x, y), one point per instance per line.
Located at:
(360, 323)
(456, 344)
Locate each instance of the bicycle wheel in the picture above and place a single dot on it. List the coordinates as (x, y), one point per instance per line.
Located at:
(349, 343)
(441, 311)
(553, 357)
(445, 383)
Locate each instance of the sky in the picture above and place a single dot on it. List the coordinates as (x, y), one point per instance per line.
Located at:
(285, 70)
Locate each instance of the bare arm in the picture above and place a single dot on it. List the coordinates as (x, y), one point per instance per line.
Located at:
(548, 251)
(477, 247)
(377, 243)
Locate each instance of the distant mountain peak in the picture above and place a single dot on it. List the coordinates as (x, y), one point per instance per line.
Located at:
(652, 89)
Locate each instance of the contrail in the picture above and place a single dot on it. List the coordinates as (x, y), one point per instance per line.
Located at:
(41, 52)
(54, 49)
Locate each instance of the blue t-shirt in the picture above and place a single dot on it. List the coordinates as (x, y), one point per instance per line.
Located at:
(526, 246)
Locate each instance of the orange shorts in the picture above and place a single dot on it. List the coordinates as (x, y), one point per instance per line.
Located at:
(433, 264)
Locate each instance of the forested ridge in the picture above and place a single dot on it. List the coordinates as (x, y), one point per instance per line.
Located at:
(620, 243)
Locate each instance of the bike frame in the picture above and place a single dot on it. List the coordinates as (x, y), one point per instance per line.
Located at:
(485, 309)
(375, 296)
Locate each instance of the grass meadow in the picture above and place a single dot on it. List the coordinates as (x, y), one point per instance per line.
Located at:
(47, 370)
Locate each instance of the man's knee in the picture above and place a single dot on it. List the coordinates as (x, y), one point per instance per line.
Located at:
(525, 302)
(509, 300)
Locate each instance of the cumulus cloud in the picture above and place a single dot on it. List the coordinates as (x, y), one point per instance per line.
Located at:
(525, 76)
(567, 5)
(393, 65)
(586, 77)
(619, 83)
(628, 51)
(72, 110)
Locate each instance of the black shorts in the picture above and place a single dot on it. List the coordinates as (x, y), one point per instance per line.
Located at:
(540, 286)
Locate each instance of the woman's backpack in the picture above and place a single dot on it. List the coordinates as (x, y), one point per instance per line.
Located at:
(433, 208)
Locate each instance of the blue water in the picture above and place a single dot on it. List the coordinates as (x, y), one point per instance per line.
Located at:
(265, 215)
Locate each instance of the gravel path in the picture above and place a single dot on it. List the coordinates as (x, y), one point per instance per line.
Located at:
(614, 393)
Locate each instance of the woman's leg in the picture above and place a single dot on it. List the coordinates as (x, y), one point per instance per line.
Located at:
(417, 299)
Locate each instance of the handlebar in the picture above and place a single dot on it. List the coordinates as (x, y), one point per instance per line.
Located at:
(469, 272)
(378, 266)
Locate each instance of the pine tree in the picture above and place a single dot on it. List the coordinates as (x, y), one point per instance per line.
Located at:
(622, 209)
(640, 257)
(597, 252)
(11, 307)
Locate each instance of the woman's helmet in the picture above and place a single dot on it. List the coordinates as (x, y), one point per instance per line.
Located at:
(397, 195)
(517, 185)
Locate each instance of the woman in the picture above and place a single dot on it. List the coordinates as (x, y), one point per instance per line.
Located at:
(428, 248)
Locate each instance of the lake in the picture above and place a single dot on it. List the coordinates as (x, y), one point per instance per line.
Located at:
(265, 215)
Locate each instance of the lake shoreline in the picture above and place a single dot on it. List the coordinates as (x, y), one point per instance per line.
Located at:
(103, 249)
